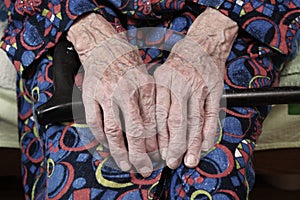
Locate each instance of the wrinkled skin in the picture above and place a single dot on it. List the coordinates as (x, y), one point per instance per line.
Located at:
(188, 90)
(189, 86)
(116, 81)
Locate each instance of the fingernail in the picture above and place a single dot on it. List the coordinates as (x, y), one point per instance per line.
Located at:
(164, 154)
(172, 163)
(191, 161)
(146, 171)
(125, 166)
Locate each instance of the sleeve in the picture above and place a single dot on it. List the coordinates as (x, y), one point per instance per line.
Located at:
(36, 25)
(275, 23)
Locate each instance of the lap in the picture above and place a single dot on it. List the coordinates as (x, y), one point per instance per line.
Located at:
(65, 161)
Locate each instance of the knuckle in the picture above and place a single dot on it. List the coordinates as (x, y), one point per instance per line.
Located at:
(194, 142)
(135, 130)
(176, 123)
(113, 132)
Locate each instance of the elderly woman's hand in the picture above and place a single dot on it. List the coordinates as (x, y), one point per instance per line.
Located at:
(189, 86)
(116, 83)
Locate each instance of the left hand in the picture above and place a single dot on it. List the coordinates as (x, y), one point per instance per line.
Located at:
(189, 86)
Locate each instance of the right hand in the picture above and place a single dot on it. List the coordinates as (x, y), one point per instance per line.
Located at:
(116, 82)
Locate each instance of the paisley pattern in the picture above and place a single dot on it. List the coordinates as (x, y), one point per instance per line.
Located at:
(64, 161)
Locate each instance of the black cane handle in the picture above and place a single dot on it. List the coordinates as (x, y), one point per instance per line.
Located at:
(67, 99)
(261, 96)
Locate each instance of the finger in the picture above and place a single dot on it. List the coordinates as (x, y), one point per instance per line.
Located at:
(115, 138)
(163, 102)
(135, 134)
(195, 123)
(177, 125)
(147, 108)
(93, 111)
(127, 97)
(211, 116)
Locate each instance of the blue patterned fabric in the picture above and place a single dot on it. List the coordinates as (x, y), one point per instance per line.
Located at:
(64, 161)
(3, 11)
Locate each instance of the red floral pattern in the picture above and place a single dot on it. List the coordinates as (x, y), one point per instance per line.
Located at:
(27, 6)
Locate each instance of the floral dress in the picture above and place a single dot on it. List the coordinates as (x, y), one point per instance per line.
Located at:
(64, 161)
